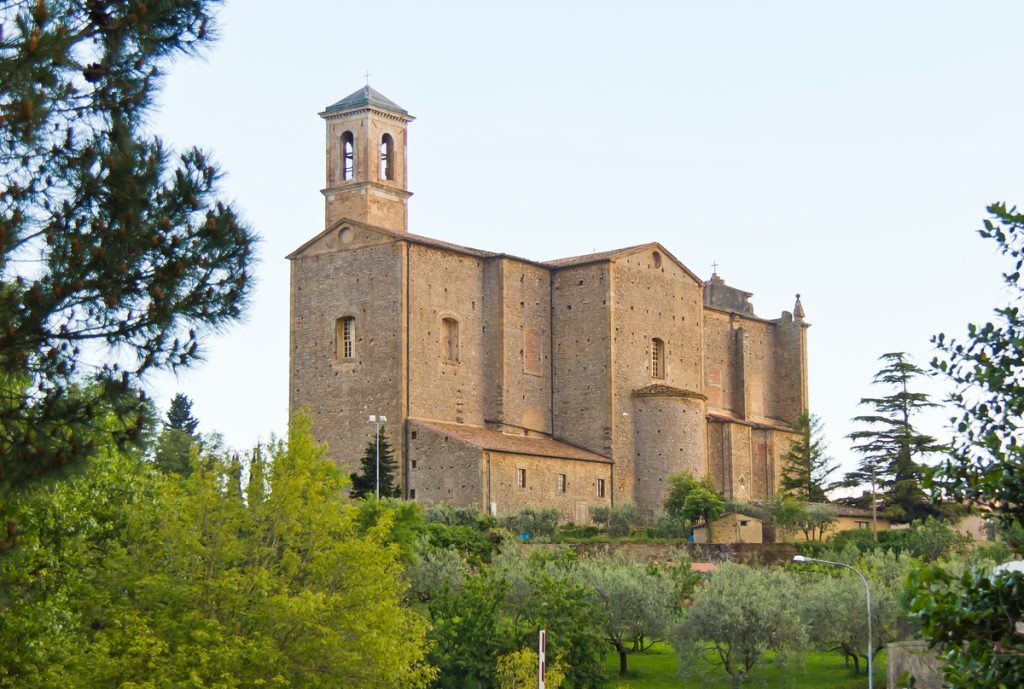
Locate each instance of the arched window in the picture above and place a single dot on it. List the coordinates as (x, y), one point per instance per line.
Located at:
(348, 155)
(345, 337)
(387, 157)
(657, 358)
(450, 339)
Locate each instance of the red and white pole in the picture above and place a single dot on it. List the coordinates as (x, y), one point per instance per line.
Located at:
(540, 659)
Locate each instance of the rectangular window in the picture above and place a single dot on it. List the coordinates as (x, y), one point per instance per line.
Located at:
(561, 483)
(743, 522)
(657, 358)
(863, 525)
(600, 487)
(414, 464)
(412, 493)
(450, 339)
(345, 336)
(521, 478)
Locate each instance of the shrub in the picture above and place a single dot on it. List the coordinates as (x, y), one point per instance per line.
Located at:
(537, 523)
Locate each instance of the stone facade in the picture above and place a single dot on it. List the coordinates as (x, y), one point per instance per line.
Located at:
(598, 375)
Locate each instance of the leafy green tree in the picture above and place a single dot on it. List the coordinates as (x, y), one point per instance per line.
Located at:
(737, 617)
(364, 482)
(116, 257)
(126, 578)
(806, 465)
(974, 616)
(693, 499)
(890, 445)
(618, 520)
(639, 603)
(833, 605)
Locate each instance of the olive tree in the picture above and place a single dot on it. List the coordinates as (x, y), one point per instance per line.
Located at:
(738, 616)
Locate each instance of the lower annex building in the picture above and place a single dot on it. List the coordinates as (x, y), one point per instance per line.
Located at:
(509, 382)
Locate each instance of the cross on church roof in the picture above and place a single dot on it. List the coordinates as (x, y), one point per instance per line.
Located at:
(714, 267)
(367, 75)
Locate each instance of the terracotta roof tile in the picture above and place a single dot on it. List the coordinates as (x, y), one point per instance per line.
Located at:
(486, 439)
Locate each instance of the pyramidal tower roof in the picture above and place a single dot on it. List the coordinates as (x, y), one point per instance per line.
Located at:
(365, 96)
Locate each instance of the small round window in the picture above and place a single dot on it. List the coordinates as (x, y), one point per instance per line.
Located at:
(345, 235)
(656, 257)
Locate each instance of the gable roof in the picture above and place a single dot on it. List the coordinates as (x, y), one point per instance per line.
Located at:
(585, 259)
(486, 439)
(366, 96)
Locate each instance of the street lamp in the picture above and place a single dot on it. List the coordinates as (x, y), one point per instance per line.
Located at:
(377, 421)
(867, 590)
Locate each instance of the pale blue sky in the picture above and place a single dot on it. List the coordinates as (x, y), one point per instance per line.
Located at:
(843, 151)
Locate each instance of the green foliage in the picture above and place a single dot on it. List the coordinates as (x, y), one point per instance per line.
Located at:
(973, 618)
(116, 256)
(364, 482)
(890, 445)
(929, 540)
(396, 521)
(659, 668)
(671, 527)
(693, 499)
(125, 578)
(518, 670)
(834, 608)
(500, 609)
(738, 616)
(639, 603)
(987, 464)
(619, 520)
(586, 531)
(541, 523)
(179, 415)
(453, 515)
(806, 465)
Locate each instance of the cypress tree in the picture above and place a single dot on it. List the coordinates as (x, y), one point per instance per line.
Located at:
(364, 482)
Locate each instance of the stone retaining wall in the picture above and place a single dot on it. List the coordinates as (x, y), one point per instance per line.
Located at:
(746, 553)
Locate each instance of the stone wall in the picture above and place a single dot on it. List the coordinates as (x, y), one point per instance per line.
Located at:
(526, 384)
(541, 490)
(746, 553)
(339, 394)
(443, 284)
(580, 324)
(442, 469)
(652, 297)
(914, 659)
(670, 438)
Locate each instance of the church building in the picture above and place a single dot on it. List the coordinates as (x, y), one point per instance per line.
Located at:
(509, 382)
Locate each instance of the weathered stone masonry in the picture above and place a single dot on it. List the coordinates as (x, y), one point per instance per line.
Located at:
(509, 382)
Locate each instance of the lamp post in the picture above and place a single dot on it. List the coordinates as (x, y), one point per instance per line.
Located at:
(867, 590)
(377, 421)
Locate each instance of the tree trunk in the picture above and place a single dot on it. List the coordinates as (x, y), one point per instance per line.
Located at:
(621, 648)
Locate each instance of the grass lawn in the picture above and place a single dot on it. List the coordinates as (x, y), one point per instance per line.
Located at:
(658, 668)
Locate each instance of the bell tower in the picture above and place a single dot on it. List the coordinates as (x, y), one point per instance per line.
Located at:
(366, 161)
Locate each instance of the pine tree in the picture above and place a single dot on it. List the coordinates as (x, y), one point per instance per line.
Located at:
(174, 445)
(256, 486)
(364, 483)
(890, 445)
(116, 255)
(179, 415)
(806, 465)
